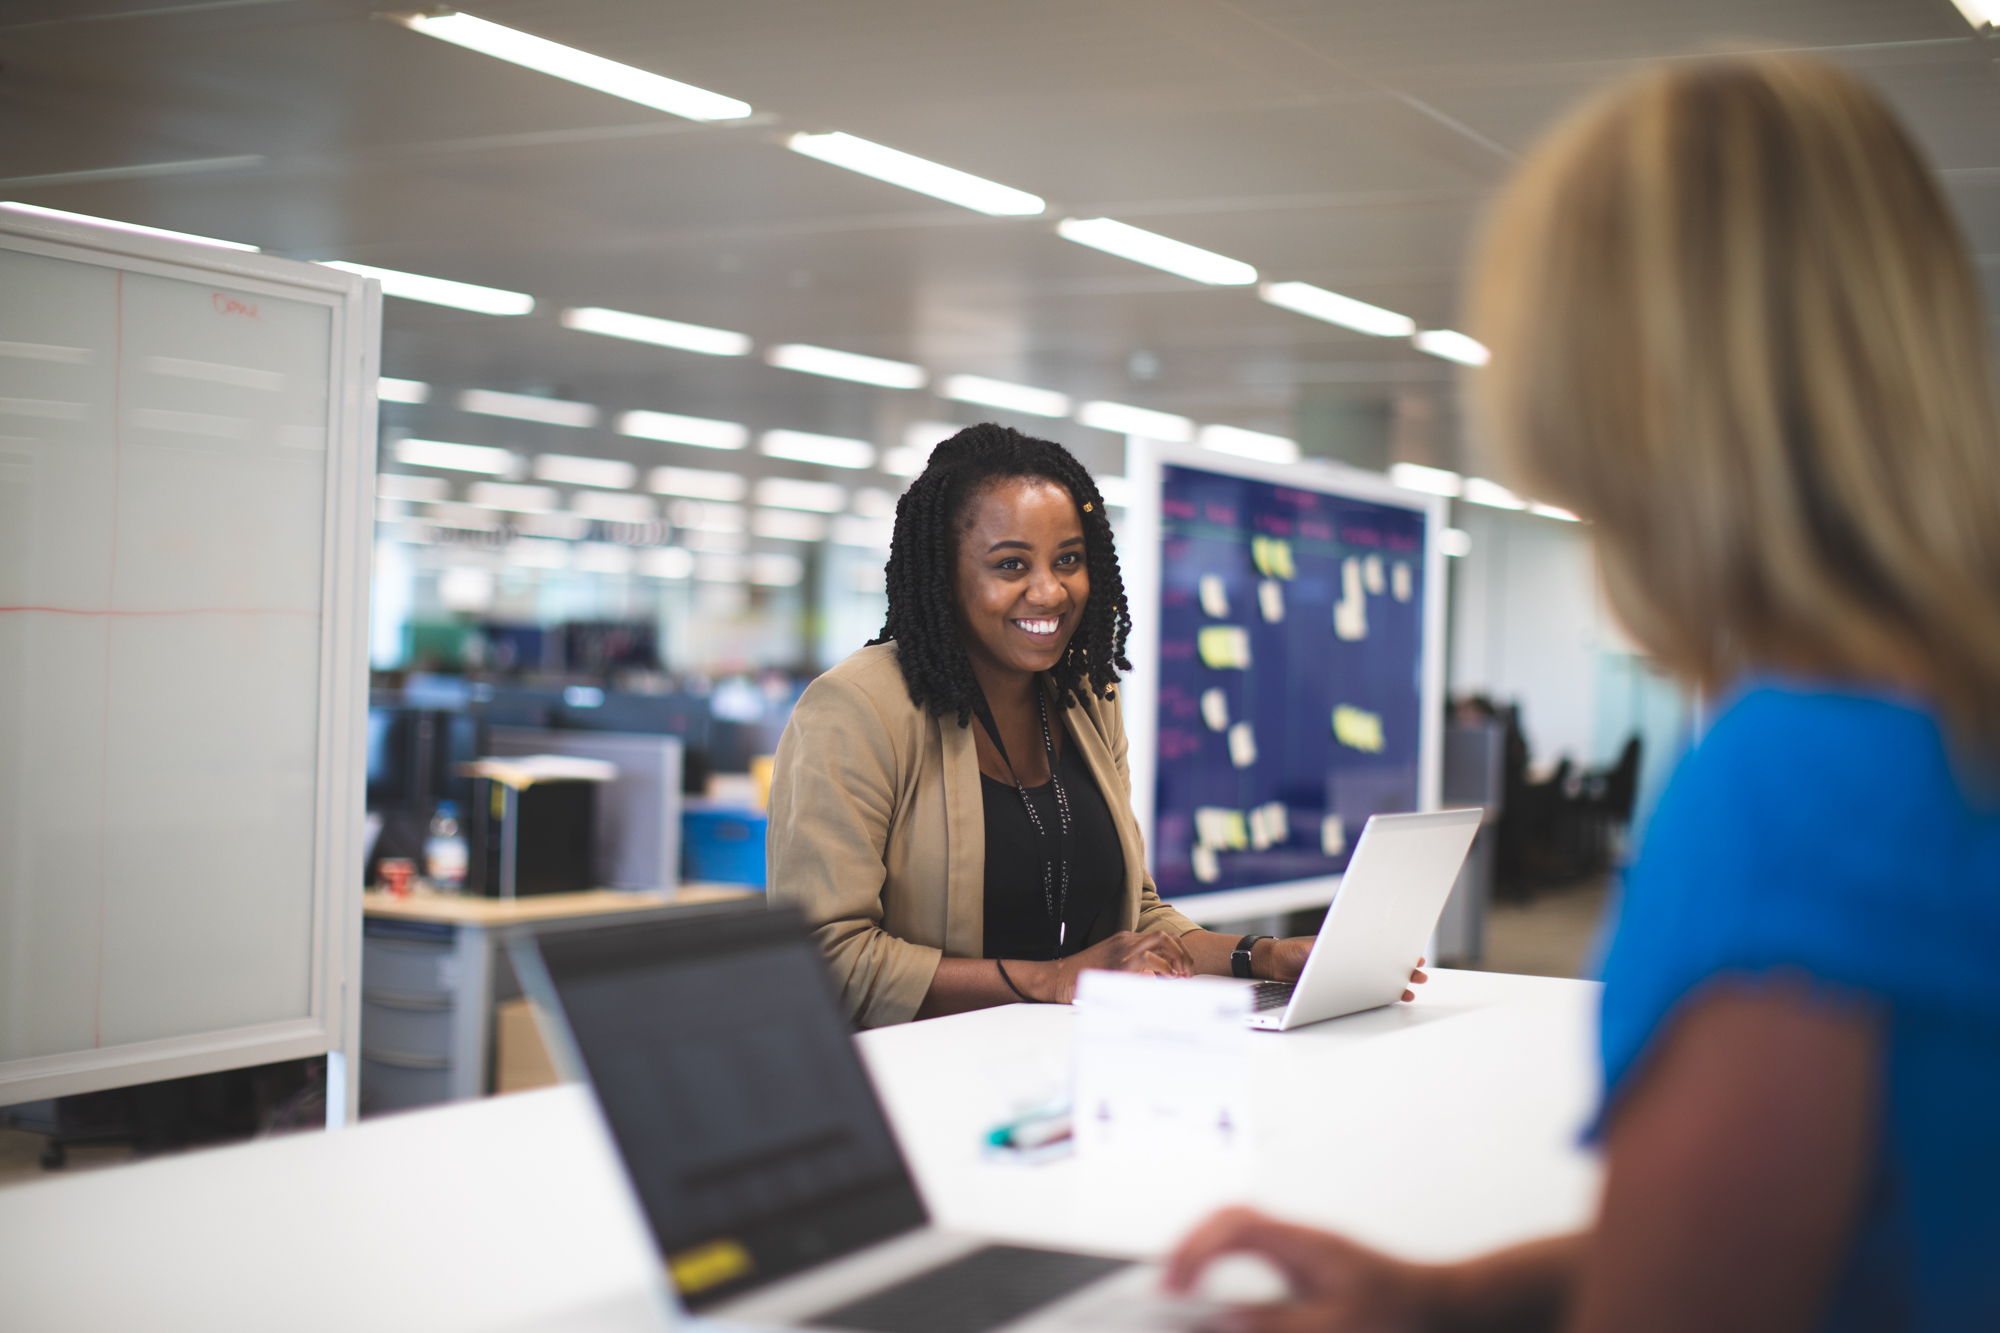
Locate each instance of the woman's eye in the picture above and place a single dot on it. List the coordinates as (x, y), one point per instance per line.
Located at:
(1066, 560)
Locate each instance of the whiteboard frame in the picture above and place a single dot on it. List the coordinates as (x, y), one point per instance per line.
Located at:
(1140, 689)
(333, 1023)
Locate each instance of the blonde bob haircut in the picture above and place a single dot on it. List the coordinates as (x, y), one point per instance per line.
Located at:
(1733, 324)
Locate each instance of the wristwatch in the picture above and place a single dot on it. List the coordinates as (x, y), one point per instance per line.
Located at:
(1239, 957)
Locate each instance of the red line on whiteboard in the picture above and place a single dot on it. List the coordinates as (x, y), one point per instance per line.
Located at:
(182, 611)
(110, 598)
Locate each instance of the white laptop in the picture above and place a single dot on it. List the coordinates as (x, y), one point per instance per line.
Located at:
(1390, 898)
(760, 1153)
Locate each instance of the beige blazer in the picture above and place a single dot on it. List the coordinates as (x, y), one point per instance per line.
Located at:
(878, 832)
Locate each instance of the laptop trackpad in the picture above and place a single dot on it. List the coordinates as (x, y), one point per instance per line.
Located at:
(991, 1286)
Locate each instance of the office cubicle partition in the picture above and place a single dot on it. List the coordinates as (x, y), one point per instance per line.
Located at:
(187, 449)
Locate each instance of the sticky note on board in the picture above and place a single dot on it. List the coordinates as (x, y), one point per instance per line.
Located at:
(1223, 647)
(1220, 828)
(1371, 576)
(1400, 581)
(1350, 613)
(1271, 600)
(1358, 728)
(1214, 595)
(1332, 836)
(1270, 826)
(1242, 745)
(1273, 557)
(1215, 709)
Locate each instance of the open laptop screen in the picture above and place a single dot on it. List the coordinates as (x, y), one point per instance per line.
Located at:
(718, 1050)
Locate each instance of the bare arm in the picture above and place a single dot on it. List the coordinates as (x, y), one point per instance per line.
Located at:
(1737, 1168)
(976, 983)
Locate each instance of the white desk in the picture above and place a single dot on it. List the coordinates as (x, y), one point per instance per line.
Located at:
(1434, 1130)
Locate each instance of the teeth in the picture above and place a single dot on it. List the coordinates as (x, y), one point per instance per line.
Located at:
(1038, 626)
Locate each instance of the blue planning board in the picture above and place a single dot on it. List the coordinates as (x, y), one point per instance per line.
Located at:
(1291, 627)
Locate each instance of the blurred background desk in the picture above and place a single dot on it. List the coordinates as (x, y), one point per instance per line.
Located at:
(1433, 1130)
(440, 1012)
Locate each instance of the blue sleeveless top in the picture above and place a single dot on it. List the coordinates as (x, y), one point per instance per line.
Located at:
(1824, 829)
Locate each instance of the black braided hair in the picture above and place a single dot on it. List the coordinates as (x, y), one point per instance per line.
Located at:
(923, 562)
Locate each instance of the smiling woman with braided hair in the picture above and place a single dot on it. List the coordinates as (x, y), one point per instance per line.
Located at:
(950, 806)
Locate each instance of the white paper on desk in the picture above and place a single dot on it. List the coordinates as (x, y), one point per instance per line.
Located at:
(1162, 1065)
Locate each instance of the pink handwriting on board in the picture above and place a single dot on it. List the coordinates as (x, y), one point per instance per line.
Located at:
(226, 304)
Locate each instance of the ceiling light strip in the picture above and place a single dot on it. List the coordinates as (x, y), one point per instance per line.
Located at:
(916, 173)
(580, 67)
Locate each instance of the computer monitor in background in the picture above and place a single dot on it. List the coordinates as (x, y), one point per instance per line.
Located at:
(1288, 682)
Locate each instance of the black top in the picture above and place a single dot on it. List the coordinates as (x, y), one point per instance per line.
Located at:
(1018, 924)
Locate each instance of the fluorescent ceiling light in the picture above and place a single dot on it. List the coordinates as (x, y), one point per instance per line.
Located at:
(608, 507)
(667, 562)
(1452, 347)
(1455, 541)
(1248, 444)
(528, 407)
(36, 210)
(826, 450)
(999, 393)
(857, 530)
(821, 497)
(1552, 511)
(458, 457)
(919, 439)
(698, 483)
(441, 291)
(661, 332)
(916, 173)
(1319, 303)
(1981, 14)
(1115, 490)
(788, 525)
(698, 431)
(776, 571)
(507, 495)
(1429, 480)
(604, 558)
(874, 502)
(718, 566)
(847, 366)
(1128, 420)
(1483, 492)
(705, 516)
(402, 391)
(1146, 247)
(402, 486)
(538, 553)
(464, 516)
(570, 470)
(566, 62)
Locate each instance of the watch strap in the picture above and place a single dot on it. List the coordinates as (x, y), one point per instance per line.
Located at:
(1239, 957)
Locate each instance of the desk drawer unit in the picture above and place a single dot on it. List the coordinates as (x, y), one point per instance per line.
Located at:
(415, 1016)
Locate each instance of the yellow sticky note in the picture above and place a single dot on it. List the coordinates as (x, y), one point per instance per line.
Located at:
(1223, 647)
(1358, 728)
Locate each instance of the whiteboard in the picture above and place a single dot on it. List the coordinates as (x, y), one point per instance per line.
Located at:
(186, 459)
(1288, 682)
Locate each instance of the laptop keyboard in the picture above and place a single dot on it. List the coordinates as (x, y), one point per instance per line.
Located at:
(985, 1289)
(1267, 995)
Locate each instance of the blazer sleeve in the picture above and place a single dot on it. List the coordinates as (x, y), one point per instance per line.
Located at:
(834, 786)
(1153, 913)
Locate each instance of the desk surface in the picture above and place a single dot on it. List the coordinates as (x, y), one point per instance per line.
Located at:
(1434, 1130)
(475, 910)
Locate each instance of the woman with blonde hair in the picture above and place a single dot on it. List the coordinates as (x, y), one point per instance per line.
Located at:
(1733, 324)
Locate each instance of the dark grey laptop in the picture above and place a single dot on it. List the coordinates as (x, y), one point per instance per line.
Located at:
(775, 1189)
